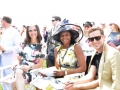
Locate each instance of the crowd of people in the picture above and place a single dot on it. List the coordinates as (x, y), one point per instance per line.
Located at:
(93, 50)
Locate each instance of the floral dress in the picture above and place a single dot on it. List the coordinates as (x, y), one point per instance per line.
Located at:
(66, 58)
(30, 55)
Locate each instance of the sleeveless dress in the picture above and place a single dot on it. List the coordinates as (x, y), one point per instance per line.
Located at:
(66, 58)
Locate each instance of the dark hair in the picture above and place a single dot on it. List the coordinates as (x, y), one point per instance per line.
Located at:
(72, 41)
(24, 26)
(7, 19)
(92, 29)
(28, 39)
(57, 18)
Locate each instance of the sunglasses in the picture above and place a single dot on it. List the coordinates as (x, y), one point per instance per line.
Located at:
(53, 20)
(87, 26)
(110, 24)
(97, 38)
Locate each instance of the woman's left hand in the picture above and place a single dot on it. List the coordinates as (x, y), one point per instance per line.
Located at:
(59, 73)
(25, 68)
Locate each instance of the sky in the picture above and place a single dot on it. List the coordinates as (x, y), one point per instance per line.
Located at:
(76, 11)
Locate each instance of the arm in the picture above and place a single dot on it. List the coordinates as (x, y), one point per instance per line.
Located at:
(36, 66)
(86, 86)
(115, 66)
(89, 77)
(86, 82)
(39, 64)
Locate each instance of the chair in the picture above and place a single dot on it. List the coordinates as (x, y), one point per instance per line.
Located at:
(7, 79)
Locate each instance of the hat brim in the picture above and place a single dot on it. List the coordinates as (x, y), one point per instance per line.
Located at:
(74, 34)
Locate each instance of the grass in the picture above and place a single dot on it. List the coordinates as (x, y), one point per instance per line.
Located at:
(27, 86)
(1, 87)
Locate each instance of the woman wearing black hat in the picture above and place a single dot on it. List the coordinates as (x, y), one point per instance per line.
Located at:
(69, 57)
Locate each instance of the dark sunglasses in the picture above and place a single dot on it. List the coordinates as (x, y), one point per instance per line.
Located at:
(111, 24)
(87, 26)
(53, 20)
(97, 38)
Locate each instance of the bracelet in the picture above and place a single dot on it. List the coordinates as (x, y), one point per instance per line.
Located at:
(65, 72)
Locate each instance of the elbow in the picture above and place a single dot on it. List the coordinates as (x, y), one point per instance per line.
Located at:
(82, 69)
(90, 79)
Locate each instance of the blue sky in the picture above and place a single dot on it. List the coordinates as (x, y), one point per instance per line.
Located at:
(77, 11)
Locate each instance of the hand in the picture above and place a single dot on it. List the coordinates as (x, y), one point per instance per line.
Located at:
(73, 87)
(42, 74)
(13, 68)
(59, 73)
(68, 86)
(1, 48)
(25, 68)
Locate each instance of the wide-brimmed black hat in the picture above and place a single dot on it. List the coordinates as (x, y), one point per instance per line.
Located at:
(72, 28)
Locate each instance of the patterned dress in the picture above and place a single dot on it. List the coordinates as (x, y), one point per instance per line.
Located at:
(114, 37)
(30, 55)
(66, 58)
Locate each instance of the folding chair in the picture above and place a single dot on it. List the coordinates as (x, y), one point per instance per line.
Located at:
(7, 79)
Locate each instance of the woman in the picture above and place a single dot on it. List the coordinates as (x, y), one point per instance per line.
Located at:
(113, 38)
(30, 57)
(69, 57)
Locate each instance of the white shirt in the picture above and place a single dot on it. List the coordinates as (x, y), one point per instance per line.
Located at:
(10, 34)
(85, 46)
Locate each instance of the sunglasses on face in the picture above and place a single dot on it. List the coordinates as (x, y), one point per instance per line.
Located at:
(86, 26)
(53, 20)
(97, 38)
(110, 24)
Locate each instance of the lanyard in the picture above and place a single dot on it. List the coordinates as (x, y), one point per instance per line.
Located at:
(63, 55)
